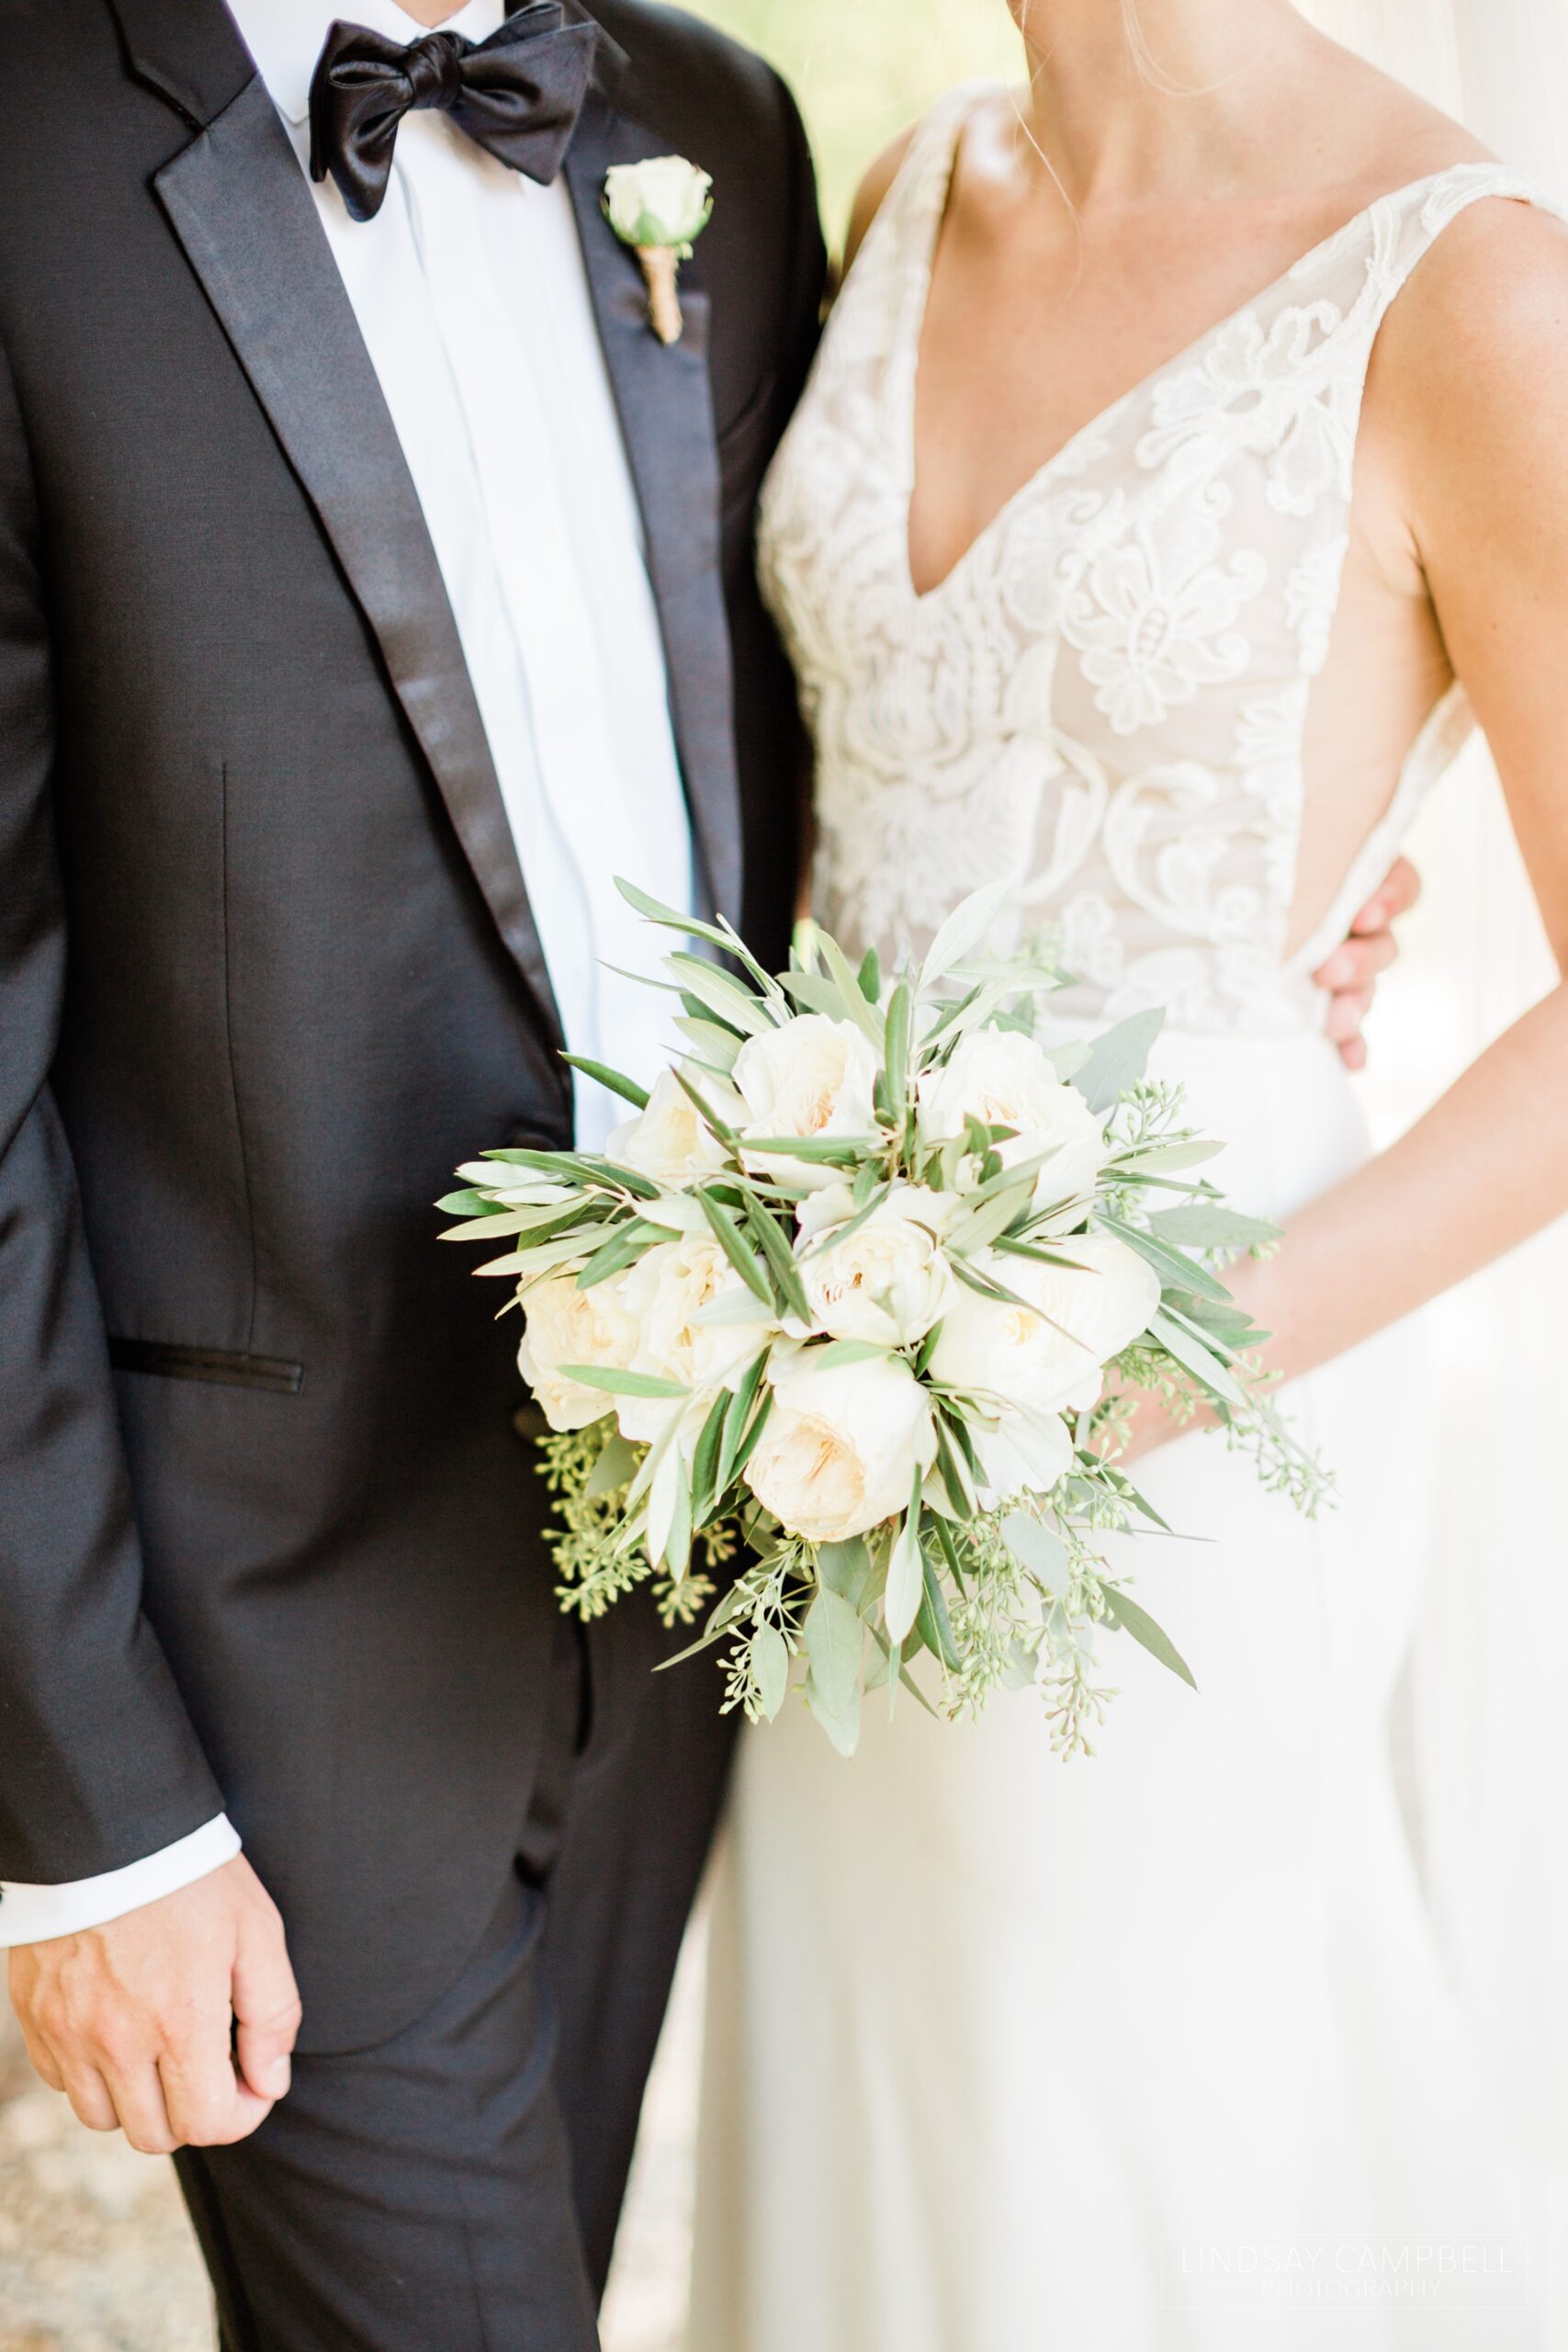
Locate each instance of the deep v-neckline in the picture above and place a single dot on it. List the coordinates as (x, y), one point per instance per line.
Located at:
(938, 199)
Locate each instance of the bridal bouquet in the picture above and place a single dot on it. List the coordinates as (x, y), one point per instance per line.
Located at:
(838, 1340)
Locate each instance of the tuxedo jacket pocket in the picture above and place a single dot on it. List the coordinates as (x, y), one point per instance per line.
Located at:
(223, 1367)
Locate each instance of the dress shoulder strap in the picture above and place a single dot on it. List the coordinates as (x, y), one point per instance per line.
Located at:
(876, 317)
(1402, 228)
(918, 195)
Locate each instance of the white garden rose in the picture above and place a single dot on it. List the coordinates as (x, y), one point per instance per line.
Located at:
(664, 201)
(1022, 1452)
(564, 1324)
(813, 1077)
(887, 1282)
(1051, 1353)
(669, 1140)
(840, 1450)
(665, 1293)
(1005, 1079)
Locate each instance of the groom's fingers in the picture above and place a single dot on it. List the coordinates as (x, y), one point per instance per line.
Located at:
(60, 2044)
(1350, 975)
(266, 2002)
(140, 2020)
(138, 2095)
(43, 2064)
(208, 2106)
(41, 2056)
(1355, 964)
(1395, 897)
(1347, 1013)
(88, 2093)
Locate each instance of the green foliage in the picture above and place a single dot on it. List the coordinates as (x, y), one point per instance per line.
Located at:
(596, 1568)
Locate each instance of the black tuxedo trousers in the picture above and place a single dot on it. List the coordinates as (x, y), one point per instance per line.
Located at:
(270, 1540)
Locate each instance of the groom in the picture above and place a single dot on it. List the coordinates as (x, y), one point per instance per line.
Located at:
(374, 586)
(372, 590)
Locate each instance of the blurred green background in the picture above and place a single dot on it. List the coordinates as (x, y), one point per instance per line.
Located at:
(862, 69)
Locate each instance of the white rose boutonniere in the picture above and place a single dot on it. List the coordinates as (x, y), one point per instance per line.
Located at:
(659, 207)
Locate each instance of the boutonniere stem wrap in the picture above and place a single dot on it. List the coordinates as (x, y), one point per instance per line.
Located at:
(659, 207)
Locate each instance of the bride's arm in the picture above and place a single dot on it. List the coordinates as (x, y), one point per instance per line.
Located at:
(1473, 386)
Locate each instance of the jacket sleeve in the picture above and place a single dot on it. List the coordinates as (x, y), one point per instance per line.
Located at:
(99, 1764)
(809, 253)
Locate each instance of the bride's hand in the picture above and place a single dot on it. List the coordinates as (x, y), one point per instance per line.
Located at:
(1253, 1283)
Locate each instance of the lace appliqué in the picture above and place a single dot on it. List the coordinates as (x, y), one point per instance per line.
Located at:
(1104, 703)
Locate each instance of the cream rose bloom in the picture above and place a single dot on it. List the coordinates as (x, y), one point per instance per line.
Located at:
(1024, 1453)
(813, 1077)
(665, 1293)
(668, 1140)
(887, 1282)
(664, 201)
(840, 1450)
(1004, 1078)
(1051, 1353)
(564, 1324)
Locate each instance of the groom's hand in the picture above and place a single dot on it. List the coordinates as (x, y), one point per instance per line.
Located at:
(1351, 974)
(175, 2022)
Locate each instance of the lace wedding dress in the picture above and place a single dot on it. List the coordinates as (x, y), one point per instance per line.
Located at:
(1152, 2051)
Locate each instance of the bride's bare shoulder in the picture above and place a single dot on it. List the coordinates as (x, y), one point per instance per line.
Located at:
(1484, 322)
(1469, 380)
(1365, 129)
(1484, 314)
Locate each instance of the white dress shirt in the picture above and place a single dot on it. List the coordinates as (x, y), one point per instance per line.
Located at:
(469, 290)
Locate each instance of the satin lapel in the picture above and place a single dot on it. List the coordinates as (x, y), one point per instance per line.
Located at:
(239, 204)
(188, 51)
(666, 410)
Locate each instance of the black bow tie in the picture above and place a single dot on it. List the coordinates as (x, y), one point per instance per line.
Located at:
(518, 94)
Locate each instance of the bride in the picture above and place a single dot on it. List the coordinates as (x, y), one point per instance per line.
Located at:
(1166, 599)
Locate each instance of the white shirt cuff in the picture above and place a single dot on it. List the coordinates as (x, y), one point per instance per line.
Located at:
(31, 1914)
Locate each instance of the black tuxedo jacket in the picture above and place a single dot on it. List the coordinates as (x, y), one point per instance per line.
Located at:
(269, 1541)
